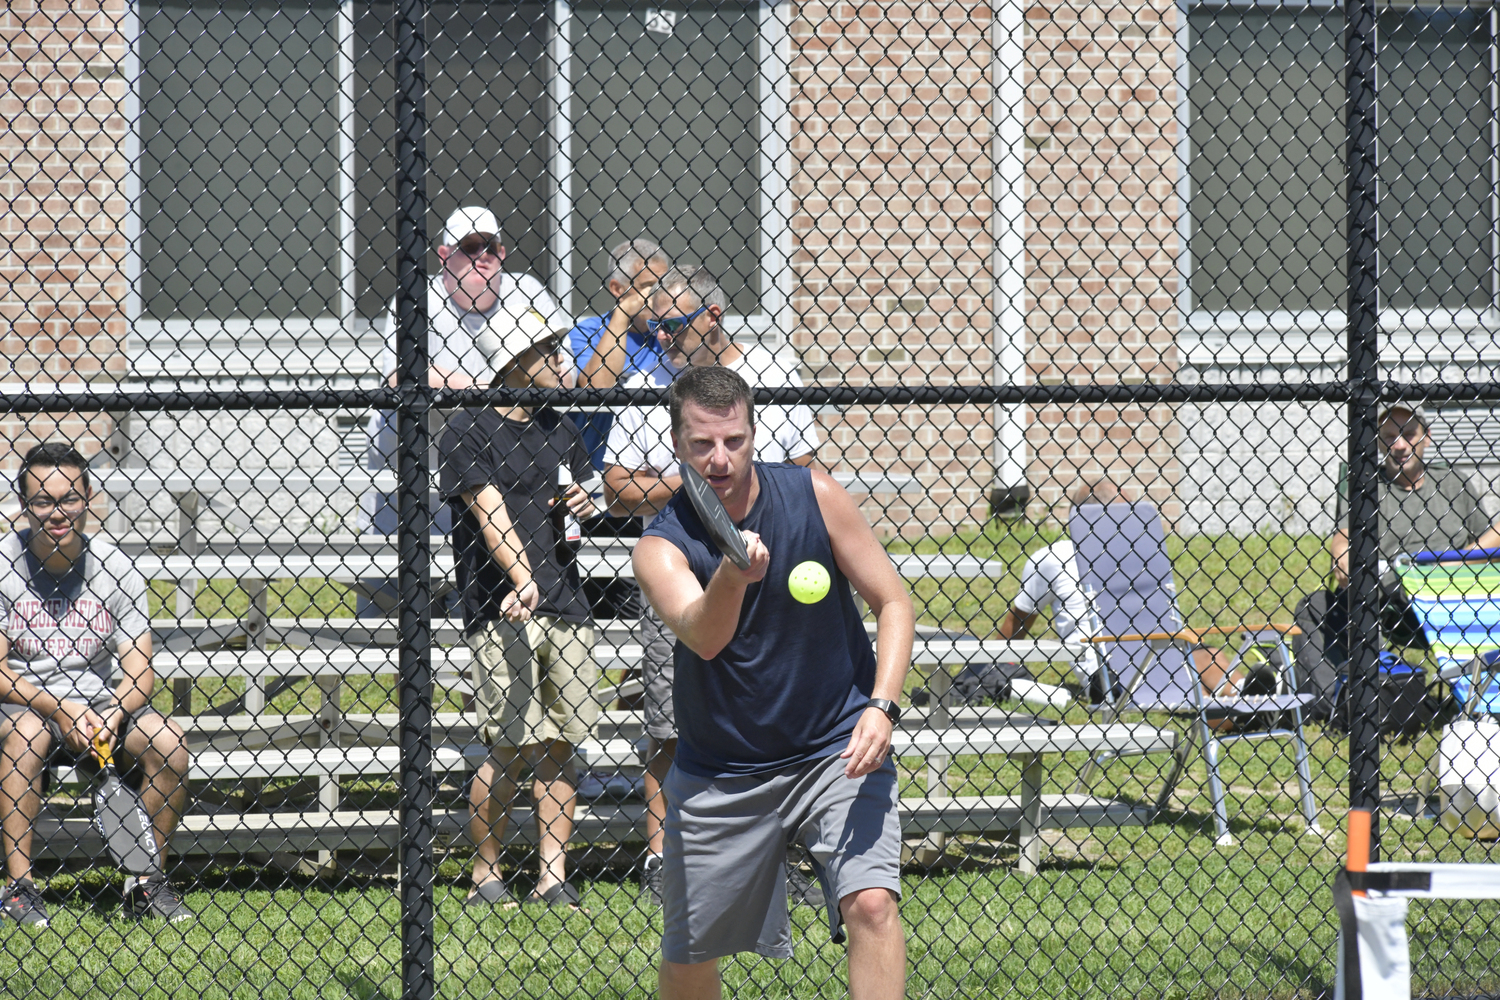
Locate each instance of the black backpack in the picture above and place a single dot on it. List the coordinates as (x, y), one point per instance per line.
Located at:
(979, 684)
(1404, 705)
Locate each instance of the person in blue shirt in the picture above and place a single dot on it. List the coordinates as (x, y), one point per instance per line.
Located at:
(610, 347)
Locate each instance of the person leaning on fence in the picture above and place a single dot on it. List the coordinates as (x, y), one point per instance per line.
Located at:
(641, 476)
(1423, 507)
(786, 712)
(525, 617)
(1050, 578)
(71, 605)
(610, 348)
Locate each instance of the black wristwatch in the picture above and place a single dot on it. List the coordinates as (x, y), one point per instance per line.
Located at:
(890, 708)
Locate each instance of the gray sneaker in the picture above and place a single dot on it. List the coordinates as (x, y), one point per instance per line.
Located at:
(651, 878)
(156, 898)
(23, 903)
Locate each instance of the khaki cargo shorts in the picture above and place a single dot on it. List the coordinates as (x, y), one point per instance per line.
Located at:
(534, 681)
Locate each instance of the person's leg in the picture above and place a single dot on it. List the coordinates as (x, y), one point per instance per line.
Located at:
(661, 721)
(1213, 670)
(661, 753)
(691, 982)
(24, 743)
(508, 708)
(156, 745)
(491, 795)
(877, 945)
(569, 690)
(556, 798)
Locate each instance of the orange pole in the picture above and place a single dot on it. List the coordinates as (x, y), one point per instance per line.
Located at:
(1359, 842)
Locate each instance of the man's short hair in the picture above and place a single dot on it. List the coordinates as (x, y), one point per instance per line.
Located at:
(1098, 491)
(626, 260)
(712, 387)
(52, 455)
(696, 284)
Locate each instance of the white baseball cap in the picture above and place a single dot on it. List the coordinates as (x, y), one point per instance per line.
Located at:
(468, 220)
(507, 336)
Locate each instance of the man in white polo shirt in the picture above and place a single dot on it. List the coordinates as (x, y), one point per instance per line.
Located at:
(640, 476)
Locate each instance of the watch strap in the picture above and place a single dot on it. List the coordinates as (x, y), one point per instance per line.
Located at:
(890, 708)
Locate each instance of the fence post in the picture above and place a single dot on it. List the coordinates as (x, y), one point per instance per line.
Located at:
(1364, 398)
(413, 483)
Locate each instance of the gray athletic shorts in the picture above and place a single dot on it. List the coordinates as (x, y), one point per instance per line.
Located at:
(657, 642)
(724, 866)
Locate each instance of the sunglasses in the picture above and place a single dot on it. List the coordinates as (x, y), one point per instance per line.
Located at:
(479, 244)
(672, 327)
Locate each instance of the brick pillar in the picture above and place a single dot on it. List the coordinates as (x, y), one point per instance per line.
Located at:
(1102, 240)
(890, 108)
(63, 247)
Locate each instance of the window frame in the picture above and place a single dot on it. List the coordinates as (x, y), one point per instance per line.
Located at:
(1413, 337)
(346, 348)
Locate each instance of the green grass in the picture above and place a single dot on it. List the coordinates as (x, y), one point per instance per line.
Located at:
(1178, 919)
(1140, 911)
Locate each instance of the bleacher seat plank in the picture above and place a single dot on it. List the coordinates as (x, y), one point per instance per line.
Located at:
(379, 830)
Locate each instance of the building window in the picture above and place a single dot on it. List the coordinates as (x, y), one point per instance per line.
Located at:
(266, 172)
(1266, 106)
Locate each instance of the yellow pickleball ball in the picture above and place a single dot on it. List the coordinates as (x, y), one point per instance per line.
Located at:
(809, 582)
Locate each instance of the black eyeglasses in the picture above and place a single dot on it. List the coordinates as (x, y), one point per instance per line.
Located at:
(479, 244)
(42, 504)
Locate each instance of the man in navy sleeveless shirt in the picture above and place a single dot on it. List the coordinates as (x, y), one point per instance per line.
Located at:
(784, 710)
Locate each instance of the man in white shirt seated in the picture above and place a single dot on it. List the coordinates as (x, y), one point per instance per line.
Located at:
(1050, 579)
(640, 476)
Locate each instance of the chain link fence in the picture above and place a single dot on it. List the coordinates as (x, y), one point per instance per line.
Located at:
(1155, 343)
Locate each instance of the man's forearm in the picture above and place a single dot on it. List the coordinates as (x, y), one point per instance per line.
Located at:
(135, 687)
(608, 363)
(509, 555)
(895, 630)
(708, 623)
(643, 493)
(17, 690)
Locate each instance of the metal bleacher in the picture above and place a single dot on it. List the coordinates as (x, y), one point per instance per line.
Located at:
(205, 525)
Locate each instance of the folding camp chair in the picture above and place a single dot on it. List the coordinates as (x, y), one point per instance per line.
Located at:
(1122, 556)
(1455, 596)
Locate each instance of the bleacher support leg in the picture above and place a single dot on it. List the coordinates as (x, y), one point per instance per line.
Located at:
(1029, 837)
(928, 849)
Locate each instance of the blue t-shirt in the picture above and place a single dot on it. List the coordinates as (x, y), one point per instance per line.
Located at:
(794, 680)
(641, 352)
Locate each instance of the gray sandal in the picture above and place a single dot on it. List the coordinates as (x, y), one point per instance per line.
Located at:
(491, 893)
(564, 894)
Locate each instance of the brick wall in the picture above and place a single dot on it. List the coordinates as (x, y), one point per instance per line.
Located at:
(890, 149)
(62, 205)
(1101, 241)
(891, 109)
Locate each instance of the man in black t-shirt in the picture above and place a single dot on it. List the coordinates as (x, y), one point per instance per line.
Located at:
(525, 618)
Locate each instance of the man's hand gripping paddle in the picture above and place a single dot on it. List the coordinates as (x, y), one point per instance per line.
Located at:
(714, 517)
(121, 820)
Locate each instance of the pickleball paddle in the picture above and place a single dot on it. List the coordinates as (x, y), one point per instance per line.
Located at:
(121, 820)
(714, 517)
